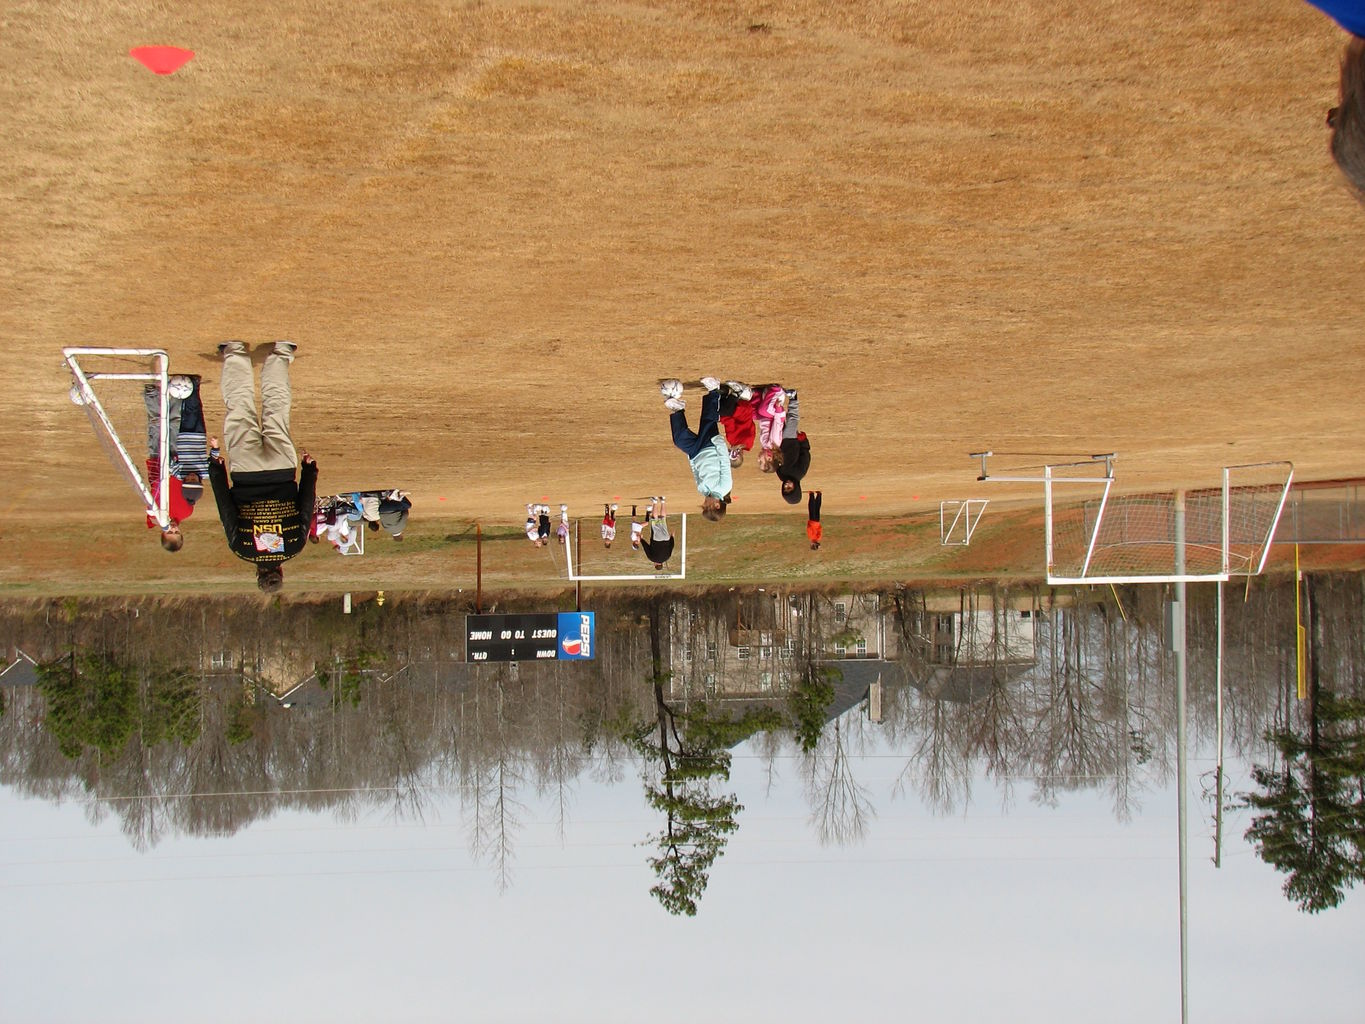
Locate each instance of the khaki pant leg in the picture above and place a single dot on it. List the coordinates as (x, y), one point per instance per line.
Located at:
(151, 399)
(242, 439)
(275, 406)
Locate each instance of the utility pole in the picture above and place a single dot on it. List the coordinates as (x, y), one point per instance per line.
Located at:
(1181, 758)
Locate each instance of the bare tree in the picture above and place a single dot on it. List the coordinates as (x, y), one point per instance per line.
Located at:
(840, 807)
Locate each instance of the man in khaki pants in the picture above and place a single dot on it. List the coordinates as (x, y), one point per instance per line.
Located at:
(265, 514)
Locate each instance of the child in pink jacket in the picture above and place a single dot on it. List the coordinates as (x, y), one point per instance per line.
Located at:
(771, 416)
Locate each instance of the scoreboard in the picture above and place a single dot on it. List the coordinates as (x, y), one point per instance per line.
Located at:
(554, 636)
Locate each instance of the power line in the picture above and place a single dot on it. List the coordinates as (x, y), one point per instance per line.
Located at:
(614, 865)
(1070, 837)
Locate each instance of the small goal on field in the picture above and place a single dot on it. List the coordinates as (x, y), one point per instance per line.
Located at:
(109, 385)
(958, 520)
(588, 559)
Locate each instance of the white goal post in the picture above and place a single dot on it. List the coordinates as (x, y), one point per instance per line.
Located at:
(1166, 536)
(958, 520)
(681, 574)
(355, 544)
(1096, 535)
(103, 384)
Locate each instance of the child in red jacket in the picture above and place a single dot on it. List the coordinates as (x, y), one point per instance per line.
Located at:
(179, 506)
(737, 408)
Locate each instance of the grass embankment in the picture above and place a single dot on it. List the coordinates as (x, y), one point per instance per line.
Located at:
(439, 554)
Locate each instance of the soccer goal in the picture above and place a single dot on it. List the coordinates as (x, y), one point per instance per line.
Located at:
(588, 559)
(354, 544)
(1167, 536)
(109, 383)
(958, 520)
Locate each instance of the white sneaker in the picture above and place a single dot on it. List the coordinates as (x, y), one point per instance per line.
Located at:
(671, 388)
(530, 511)
(746, 393)
(710, 383)
(676, 404)
(563, 509)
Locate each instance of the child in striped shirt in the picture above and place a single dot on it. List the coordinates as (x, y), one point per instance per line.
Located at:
(190, 450)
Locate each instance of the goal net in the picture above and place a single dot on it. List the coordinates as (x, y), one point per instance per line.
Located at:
(130, 425)
(1256, 497)
(587, 557)
(1096, 536)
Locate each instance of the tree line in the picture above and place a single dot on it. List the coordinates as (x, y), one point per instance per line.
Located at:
(173, 718)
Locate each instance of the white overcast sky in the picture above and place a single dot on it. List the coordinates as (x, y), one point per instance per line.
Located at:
(1038, 914)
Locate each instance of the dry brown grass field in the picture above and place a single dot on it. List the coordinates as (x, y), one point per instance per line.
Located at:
(492, 226)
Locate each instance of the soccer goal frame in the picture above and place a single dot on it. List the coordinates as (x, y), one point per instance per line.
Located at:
(356, 544)
(681, 574)
(83, 393)
(966, 514)
(1169, 536)
(1097, 536)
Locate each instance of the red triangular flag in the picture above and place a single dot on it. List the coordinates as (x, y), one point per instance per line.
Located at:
(161, 59)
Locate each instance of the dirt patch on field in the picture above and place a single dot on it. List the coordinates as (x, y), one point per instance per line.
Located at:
(492, 227)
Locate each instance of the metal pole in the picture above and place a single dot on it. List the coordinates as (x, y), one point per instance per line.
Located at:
(1227, 533)
(578, 563)
(1047, 513)
(1300, 656)
(478, 569)
(1218, 788)
(1182, 766)
(163, 504)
